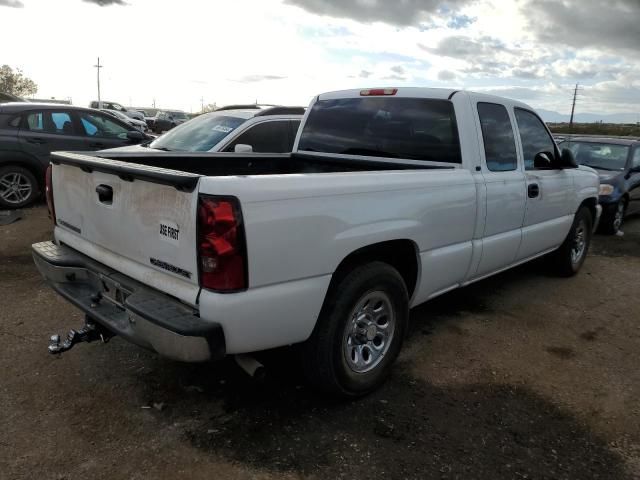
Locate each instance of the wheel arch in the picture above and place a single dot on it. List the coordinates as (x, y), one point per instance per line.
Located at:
(591, 204)
(401, 254)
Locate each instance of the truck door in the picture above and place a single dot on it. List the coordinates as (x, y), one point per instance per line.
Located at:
(547, 218)
(505, 187)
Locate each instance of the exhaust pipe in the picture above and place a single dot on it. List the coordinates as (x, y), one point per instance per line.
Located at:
(251, 366)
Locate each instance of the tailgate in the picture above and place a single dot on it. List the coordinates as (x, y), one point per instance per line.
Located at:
(137, 219)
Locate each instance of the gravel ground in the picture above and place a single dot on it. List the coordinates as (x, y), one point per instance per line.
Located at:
(524, 375)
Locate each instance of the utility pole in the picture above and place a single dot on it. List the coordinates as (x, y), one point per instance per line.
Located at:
(573, 105)
(201, 104)
(98, 67)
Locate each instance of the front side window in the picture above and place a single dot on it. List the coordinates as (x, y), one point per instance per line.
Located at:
(198, 135)
(393, 127)
(534, 137)
(100, 126)
(636, 158)
(266, 137)
(604, 156)
(497, 136)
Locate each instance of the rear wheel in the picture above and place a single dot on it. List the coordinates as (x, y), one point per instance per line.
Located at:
(18, 187)
(359, 333)
(568, 259)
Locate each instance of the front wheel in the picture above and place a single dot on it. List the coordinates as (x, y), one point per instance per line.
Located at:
(614, 218)
(568, 259)
(359, 332)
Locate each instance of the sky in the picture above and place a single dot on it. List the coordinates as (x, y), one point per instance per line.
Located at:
(184, 53)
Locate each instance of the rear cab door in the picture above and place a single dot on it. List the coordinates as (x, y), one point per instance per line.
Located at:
(504, 184)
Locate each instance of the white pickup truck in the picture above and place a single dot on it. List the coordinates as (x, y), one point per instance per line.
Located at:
(391, 197)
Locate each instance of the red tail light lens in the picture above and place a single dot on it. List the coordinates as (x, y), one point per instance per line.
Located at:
(48, 192)
(221, 244)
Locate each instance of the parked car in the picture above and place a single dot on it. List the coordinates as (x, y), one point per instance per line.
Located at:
(264, 130)
(29, 132)
(391, 197)
(108, 105)
(617, 162)
(139, 124)
(168, 119)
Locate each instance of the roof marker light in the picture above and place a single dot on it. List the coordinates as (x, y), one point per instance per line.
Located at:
(373, 92)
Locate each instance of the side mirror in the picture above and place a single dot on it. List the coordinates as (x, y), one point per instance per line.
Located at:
(542, 160)
(136, 135)
(632, 171)
(567, 159)
(242, 148)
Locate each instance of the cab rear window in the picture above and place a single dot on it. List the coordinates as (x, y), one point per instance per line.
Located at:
(409, 128)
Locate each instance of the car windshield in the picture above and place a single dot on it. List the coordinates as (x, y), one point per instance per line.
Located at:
(198, 135)
(605, 156)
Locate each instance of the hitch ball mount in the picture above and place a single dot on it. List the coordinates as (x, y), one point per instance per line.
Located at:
(91, 332)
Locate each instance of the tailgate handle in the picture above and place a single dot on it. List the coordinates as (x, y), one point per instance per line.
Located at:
(105, 194)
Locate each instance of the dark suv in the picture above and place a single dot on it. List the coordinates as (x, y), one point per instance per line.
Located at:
(29, 132)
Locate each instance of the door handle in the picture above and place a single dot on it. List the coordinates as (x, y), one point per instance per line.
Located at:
(533, 190)
(36, 140)
(105, 194)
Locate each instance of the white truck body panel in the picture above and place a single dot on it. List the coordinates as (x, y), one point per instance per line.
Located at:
(466, 223)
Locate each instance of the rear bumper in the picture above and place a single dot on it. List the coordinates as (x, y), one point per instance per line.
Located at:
(143, 316)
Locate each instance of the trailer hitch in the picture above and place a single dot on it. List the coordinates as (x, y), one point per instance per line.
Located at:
(91, 332)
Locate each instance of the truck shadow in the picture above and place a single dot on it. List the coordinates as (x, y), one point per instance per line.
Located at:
(407, 429)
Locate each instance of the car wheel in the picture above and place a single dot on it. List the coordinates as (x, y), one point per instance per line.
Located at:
(359, 332)
(613, 222)
(18, 187)
(568, 259)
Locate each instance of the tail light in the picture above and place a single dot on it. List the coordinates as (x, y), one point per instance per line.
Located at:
(222, 251)
(48, 192)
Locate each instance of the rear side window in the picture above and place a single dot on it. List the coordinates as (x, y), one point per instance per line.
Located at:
(497, 136)
(61, 123)
(534, 137)
(35, 122)
(410, 128)
(266, 137)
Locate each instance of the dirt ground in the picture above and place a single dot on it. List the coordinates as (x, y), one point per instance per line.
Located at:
(524, 375)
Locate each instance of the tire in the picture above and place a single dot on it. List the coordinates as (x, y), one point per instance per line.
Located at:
(613, 220)
(18, 187)
(350, 358)
(568, 259)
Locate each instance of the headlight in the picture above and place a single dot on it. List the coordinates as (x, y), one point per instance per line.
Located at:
(605, 189)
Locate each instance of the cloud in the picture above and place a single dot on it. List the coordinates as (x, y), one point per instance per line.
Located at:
(398, 69)
(395, 77)
(458, 22)
(400, 13)
(11, 3)
(482, 55)
(106, 3)
(611, 24)
(446, 75)
(365, 74)
(258, 78)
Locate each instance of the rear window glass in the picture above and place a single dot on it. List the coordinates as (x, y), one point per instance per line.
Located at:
(410, 128)
(198, 135)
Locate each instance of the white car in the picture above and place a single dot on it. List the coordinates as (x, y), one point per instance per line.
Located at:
(390, 198)
(109, 105)
(139, 124)
(265, 129)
